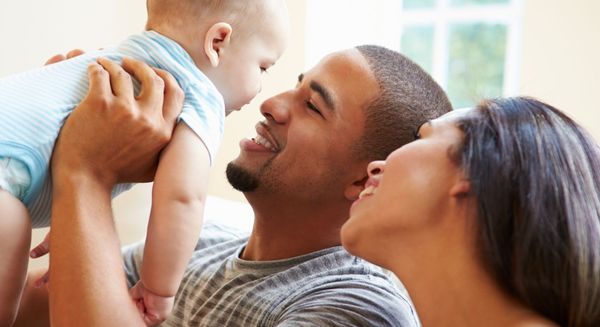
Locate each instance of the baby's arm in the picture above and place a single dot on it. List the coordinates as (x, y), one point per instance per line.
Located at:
(178, 198)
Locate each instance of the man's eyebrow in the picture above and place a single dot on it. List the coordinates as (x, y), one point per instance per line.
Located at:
(323, 92)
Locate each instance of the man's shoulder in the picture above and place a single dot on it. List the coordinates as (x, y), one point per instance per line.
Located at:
(345, 270)
(340, 285)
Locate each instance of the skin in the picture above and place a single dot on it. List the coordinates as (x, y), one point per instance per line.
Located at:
(235, 66)
(301, 203)
(297, 211)
(15, 236)
(83, 179)
(417, 203)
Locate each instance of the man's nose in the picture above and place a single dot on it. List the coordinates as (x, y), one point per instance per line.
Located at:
(277, 108)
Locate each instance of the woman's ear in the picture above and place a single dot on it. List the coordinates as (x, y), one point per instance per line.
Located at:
(217, 38)
(461, 188)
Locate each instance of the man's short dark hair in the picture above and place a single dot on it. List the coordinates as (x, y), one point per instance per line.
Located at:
(408, 97)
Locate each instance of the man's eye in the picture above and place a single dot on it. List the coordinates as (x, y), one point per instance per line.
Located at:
(312, 107)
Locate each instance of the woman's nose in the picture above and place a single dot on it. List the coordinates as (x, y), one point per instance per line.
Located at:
(375, 168)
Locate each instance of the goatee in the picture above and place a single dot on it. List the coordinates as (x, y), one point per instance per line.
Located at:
(240, 178)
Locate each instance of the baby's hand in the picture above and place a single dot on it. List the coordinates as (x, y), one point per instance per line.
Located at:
(153, 308)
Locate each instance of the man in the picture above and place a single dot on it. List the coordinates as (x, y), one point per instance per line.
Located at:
(300, 174)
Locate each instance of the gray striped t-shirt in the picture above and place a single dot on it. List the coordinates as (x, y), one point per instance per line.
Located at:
(324, 288)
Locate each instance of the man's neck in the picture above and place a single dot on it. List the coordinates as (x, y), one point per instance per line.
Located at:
(286, 231)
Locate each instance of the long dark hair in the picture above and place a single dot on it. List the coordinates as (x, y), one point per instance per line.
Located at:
(536, 176)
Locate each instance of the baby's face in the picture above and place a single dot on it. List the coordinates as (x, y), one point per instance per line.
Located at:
(239, 74)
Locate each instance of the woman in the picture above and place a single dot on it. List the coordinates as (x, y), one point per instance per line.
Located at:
(490, 217)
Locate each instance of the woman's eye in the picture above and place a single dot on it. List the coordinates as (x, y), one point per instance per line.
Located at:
(417, 131)
(312, 107)
(416, 134)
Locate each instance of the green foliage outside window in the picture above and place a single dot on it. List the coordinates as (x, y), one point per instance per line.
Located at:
(425, 4)
(418, 4)
(476, 2)
(476, 63)
(417, 44)
(476, 56)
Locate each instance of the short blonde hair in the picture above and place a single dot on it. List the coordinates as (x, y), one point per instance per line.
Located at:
(243, 15)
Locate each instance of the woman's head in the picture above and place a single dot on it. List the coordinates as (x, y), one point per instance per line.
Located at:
(536, 176)
(407, 197)
(526, 179)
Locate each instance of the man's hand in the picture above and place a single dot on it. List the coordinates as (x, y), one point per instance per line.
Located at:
(153, 308)
(60, 57)
(98, 87)
(113, 135)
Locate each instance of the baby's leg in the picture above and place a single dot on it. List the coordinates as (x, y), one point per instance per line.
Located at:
(15, 238)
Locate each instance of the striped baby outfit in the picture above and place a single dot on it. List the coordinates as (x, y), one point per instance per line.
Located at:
(35, 104)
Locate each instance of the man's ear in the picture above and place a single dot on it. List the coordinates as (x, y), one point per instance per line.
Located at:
(217, 38)
(461, 188)
(353, 190)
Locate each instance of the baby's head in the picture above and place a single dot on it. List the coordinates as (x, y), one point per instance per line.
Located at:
(232, 41)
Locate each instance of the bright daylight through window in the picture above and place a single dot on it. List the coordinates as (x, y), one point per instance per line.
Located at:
(471, 47)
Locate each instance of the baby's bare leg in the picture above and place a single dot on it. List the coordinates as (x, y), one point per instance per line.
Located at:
(15, 238)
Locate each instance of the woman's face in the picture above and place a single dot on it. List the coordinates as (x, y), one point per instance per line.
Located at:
(408, 195)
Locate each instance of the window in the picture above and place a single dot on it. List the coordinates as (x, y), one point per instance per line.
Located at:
(471, 47)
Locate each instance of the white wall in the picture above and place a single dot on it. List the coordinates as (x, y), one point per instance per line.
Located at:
(33, 30)
(561, 57)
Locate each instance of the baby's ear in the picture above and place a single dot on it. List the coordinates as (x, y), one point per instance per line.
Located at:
(217, 39)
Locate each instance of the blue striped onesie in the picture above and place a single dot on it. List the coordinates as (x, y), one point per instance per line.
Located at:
(35, 104)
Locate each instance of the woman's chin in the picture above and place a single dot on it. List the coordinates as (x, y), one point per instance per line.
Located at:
(350, 236)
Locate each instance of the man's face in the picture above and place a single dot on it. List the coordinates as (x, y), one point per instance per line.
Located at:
(303, 148)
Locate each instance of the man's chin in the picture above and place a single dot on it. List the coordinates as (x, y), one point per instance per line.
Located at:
(240, 178)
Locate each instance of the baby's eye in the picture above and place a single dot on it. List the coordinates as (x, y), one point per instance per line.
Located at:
(263, 70)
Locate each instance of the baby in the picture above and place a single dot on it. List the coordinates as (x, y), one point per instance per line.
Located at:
(217, 51)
